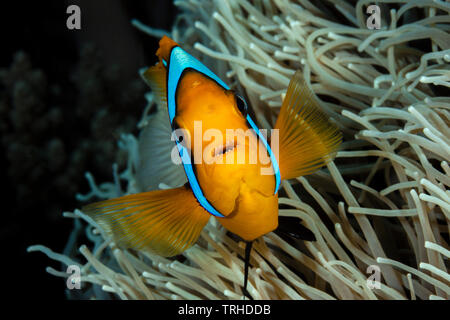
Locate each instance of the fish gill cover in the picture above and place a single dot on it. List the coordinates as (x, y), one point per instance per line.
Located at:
(381, 207)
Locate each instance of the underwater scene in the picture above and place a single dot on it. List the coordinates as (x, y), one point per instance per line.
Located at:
(227, 149)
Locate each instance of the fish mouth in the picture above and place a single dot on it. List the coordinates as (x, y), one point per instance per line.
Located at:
(223, 149)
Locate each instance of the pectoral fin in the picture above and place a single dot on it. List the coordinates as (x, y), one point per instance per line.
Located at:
(307, 139)
(165, 222)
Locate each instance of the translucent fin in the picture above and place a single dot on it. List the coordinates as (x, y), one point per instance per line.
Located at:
(165, 222)
(155, 155)
(307, 139)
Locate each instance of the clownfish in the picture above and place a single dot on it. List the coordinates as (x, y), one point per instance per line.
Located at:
(237, 194)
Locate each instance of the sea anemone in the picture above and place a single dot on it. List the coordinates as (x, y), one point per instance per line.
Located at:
(382, 206)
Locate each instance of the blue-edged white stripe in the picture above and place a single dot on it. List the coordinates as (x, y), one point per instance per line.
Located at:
(184, 154)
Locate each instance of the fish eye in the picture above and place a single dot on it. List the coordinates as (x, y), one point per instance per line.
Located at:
(241, 104)
(175, 127)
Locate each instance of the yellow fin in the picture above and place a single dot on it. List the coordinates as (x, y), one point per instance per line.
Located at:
(155, 77)
(307, 139)
(165, 222)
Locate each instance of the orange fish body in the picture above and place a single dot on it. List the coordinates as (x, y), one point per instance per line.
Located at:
(228, 178)
(238, 191)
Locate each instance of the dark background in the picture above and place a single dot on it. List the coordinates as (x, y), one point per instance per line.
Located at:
(65, 98)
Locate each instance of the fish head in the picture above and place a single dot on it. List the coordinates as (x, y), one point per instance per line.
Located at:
(226, 153)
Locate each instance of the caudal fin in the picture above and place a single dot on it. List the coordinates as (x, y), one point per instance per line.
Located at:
(307, 139)
(165, 222)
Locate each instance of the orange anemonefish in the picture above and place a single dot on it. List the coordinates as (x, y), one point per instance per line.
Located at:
(244, 200)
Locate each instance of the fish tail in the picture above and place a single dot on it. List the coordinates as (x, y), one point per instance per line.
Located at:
(165, 222)
(307, 139)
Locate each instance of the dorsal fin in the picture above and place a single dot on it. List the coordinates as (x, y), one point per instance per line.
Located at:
(165, 46)
(156, 76)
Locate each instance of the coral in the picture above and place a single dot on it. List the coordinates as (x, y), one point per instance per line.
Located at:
(28, 127)
(383, 203)
(47, 133)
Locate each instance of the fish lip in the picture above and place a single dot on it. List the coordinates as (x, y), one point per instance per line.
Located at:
(223, 149)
